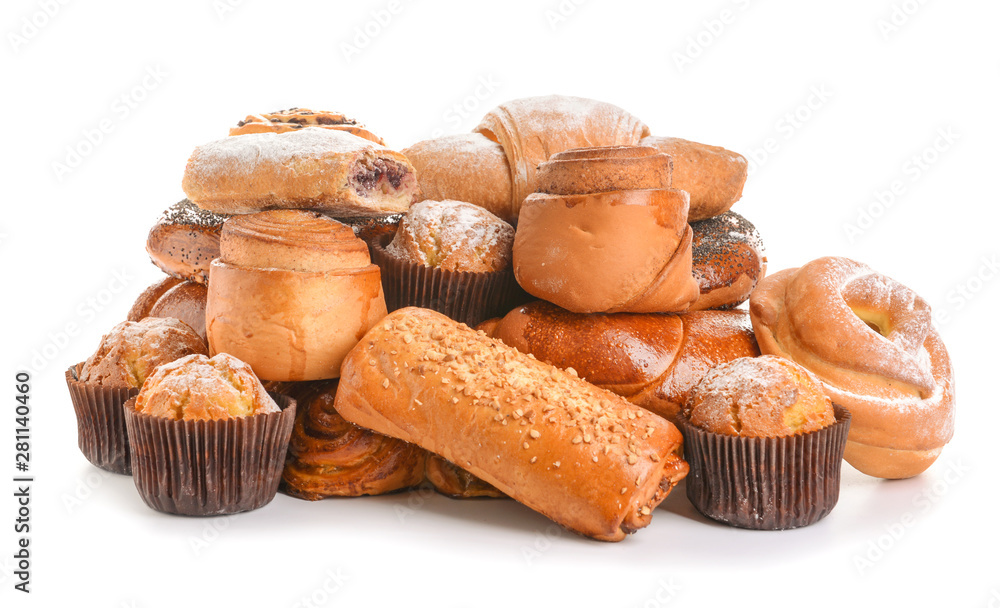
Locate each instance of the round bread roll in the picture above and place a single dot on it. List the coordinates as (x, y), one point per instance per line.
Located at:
(292, 292)
(198, 388)
(759, 397)
(318, 169)
(870, 340)
(185, 240)
(132, 350)
(727, 260)
(452, 235)
(173, 298)
(586, 170)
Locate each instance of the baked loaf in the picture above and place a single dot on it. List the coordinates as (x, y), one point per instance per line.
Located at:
(503, 154)
(456, 482)
(452, 235)
(625, 250)
(870, 341)
(727, 260)
(294, 119)
(185, 240)
(198, 388)
(764, 396)
(132, 350)
(173, 298)
(329, 456)
(318, 169)
(582, 456)
(292, 292)
(713, 176)
(652, 360)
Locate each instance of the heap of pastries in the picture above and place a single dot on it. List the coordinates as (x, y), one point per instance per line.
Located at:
(603, 272)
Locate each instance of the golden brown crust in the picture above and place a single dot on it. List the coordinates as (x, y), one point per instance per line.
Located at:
(185, 240)
(317, 169)
(132, 350)
(294, 119)
(652, 360)
(328, 456)
(727, 260)
(452, 235)
(894, 374)
(582, 456)
(586, 170)
(621, 251)
(712, 175)
(288, 322)
(198, 388)
(173, 298)
(456, 482)
(763, 396)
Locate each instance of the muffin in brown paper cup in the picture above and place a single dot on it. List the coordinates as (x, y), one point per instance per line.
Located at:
(467, 297)
(209, 467)
(765, 483)
(100, 422)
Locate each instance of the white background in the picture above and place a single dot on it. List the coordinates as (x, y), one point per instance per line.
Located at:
(723, 72)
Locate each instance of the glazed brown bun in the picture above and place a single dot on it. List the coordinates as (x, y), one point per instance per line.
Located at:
(626, 250)
(198, 388)
(764, 396)
(132, 350)
(582, 456)
(317, 169)
(185, 240)
(870, 341)
(329, 456)
(294, 119)
(727, 260)
(713, 176)
(173, 298)
(652, 360)
(292, 292)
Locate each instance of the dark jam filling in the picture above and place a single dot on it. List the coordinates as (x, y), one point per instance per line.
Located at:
(370, 176)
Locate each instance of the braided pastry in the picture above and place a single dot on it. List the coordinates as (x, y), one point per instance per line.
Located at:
(870, 340)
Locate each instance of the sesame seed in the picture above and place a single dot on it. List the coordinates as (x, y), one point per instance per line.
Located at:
(587, 437)
(556, 464)
(526, 446)
(645, 511)
(385, 383)
(632, 459)
(407, 338)
(533, 460)
(535, 434)
(595, 458)
(577, 439)
(654, 457)
(624, 490)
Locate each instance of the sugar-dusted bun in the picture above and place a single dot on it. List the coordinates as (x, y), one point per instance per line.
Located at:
(713, 176)
(870, 341)
(764, 396)
(132, 350)
(294, 119)
(727, 260)
(198, 388)
(311, 168)
(452, 235)
(185, 240)
(587, 170)
(174, 298)
(292, 292)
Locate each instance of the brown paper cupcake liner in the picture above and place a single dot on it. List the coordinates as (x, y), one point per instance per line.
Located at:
(765, 483)
(467, 297)
(100, 422)
(209, 467)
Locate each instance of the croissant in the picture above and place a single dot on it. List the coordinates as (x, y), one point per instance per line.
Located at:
(652, 360)
(329, 456)
(871, 342)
